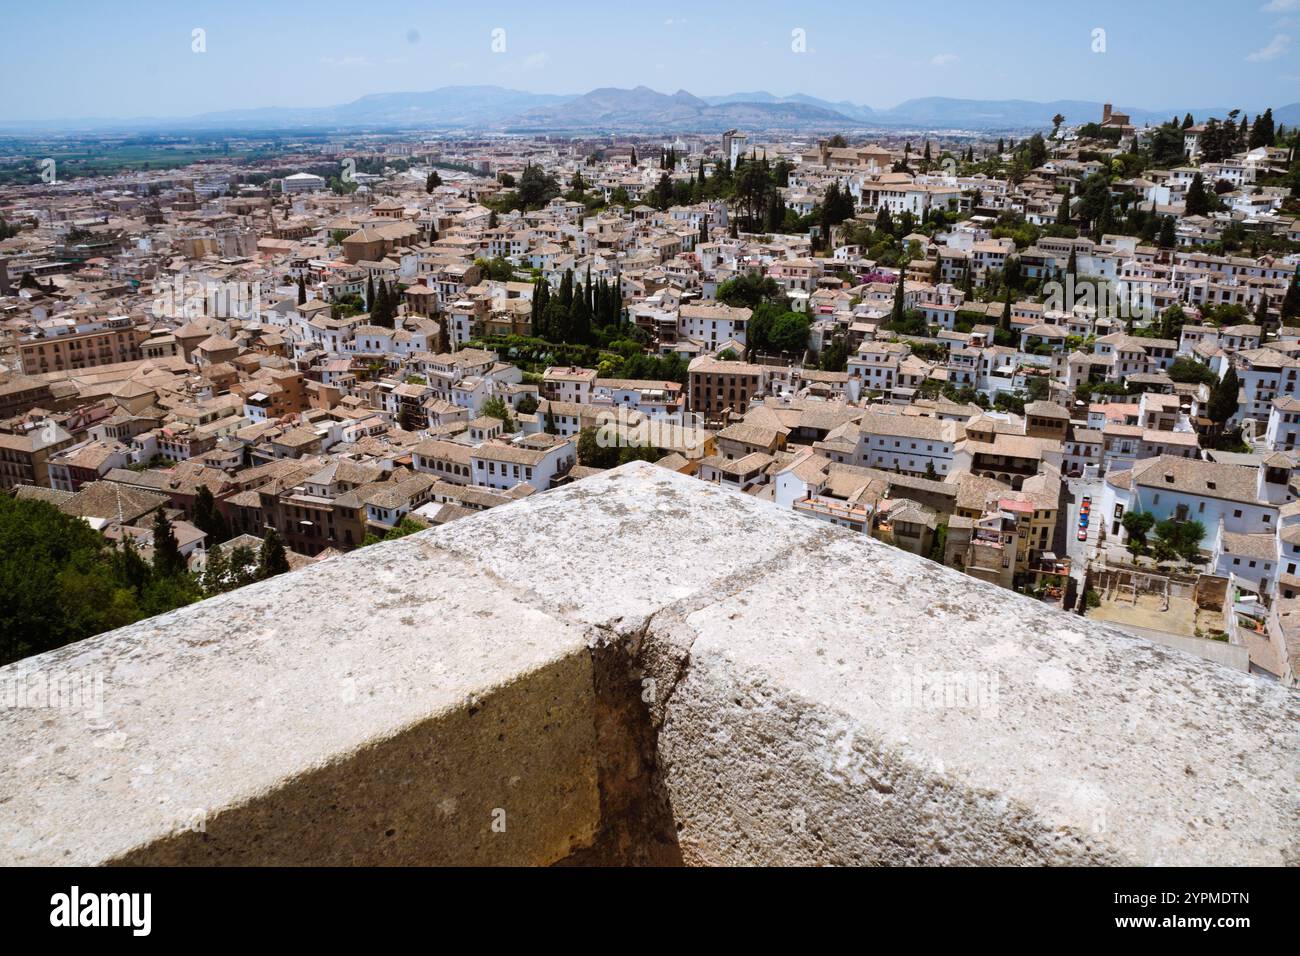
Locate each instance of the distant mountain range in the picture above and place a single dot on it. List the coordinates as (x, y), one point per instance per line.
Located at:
(642, 110)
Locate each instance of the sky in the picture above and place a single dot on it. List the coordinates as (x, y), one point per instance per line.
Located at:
(84, 59)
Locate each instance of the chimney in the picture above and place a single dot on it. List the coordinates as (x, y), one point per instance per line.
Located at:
(1105, 114)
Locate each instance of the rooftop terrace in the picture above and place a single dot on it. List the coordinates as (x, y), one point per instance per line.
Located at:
(642, 667)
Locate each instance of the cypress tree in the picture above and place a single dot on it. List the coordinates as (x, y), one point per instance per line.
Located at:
(302, 291)
(1223, 398)
(896, 314)
(167, 558)
(1197, 203)
(1063, 210)
(215, 571)
(1291, 301)
(272, 559)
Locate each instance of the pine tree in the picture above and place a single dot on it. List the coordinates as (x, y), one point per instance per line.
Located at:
(272, 559)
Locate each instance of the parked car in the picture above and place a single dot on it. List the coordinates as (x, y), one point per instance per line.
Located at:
(1083, 534)
(1083, 521)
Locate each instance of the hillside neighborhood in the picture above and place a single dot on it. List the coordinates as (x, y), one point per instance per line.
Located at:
(1064, 362)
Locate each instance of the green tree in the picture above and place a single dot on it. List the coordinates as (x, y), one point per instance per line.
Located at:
(1138, 524)
(1178, 539)
(167, 558)
(1290, 308)
(835, 356)
(896, 313)
(207, 518)
(272, 560)
(592, 454)
(59, 580)
(536, 189)
(216, 572)
(1168, 236)
(243, 567)
(302, 291)
(750, 291)
(495, 407)
(789, 334)
(1223, 398)
(1197, 201)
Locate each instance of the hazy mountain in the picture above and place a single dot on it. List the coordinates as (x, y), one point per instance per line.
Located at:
(851, 110)
(452, 106)
(644, 108)
(641, 109)
(1289, 114)
(758, 96)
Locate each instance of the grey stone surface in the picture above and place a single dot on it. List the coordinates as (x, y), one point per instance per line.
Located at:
(376, 708)
(379, 706)
(831, 722)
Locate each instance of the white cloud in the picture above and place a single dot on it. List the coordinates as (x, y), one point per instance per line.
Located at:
(943, 59)
(1280, 6)
(675, 22)
(536, 61)
(1276, 48)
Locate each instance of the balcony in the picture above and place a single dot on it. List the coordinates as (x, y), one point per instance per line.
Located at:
(833, 508)
(641, 668)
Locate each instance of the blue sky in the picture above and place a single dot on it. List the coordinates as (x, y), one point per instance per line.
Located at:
(127, 59)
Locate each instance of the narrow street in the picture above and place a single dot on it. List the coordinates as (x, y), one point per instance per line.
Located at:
(1080, 551)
